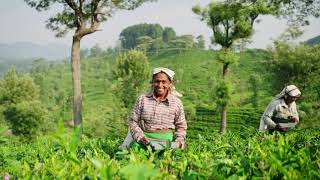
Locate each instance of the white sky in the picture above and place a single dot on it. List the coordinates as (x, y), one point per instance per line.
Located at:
(19, 22)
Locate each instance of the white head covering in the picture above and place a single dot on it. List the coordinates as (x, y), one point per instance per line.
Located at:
(290, 90)
(170, 75)
(167, 71)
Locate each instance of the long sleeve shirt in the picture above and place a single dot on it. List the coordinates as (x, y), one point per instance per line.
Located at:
(279, 109)
(158, 115)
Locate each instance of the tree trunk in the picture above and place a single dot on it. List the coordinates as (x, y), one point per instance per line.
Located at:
(223, 126)
(225, 71)
(77, 96)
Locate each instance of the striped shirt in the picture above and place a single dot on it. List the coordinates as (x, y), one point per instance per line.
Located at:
(158, 115)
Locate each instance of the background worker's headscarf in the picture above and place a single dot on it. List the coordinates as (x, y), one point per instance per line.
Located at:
(290, 90)
(170, 74)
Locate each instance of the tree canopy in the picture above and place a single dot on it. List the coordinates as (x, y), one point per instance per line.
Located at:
(153, 37)
(84, 15)
(130, 35)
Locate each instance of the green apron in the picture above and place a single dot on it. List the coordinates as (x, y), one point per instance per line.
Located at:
(168, 137)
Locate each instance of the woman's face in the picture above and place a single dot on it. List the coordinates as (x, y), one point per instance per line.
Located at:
(291, 99)
(161, 84)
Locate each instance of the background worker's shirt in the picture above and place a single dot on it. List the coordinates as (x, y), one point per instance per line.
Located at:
(279, 109)
(158, 115)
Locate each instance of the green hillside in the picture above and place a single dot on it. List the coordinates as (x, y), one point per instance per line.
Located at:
(241, 153)
(197, 73)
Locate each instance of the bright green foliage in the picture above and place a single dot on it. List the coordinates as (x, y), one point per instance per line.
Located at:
(255, 86)
(227, 56)
(242, 155)
(222, 94)
(132, 73)
(25, 117)
(104, 111)
(19, 96)
(15, 88)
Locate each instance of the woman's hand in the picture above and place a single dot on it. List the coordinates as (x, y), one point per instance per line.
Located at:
(281, 129)
(144, 141)
(293, 119)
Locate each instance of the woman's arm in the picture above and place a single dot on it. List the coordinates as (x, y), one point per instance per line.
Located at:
(180, 126)
(134, 127)
(267, 115)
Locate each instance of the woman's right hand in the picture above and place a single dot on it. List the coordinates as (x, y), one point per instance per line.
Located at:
(144, 141)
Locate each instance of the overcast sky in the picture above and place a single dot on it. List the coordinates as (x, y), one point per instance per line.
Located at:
(19, 23)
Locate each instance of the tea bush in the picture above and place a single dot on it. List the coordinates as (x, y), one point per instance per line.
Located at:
(245, 154)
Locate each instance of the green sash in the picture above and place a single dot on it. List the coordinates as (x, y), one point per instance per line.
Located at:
(167, 137)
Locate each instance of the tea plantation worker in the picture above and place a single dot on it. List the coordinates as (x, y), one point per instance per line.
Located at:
(281, 114)
(159, 115)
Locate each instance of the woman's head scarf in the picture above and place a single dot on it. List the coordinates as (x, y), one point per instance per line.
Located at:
(290, 90)
(170, 74)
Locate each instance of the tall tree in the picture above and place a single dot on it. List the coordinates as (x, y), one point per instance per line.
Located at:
(85, 17)
(129, 36)
(168, 34)
(230, 21)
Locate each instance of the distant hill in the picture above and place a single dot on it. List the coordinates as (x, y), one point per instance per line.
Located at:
(28, 50)
(313, 41)
(20, 65)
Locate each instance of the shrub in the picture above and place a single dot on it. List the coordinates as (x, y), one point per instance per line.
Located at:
(132, 73)
(15, 88)
(25, 118)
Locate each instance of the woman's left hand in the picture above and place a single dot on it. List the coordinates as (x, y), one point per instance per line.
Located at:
(294, 119)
